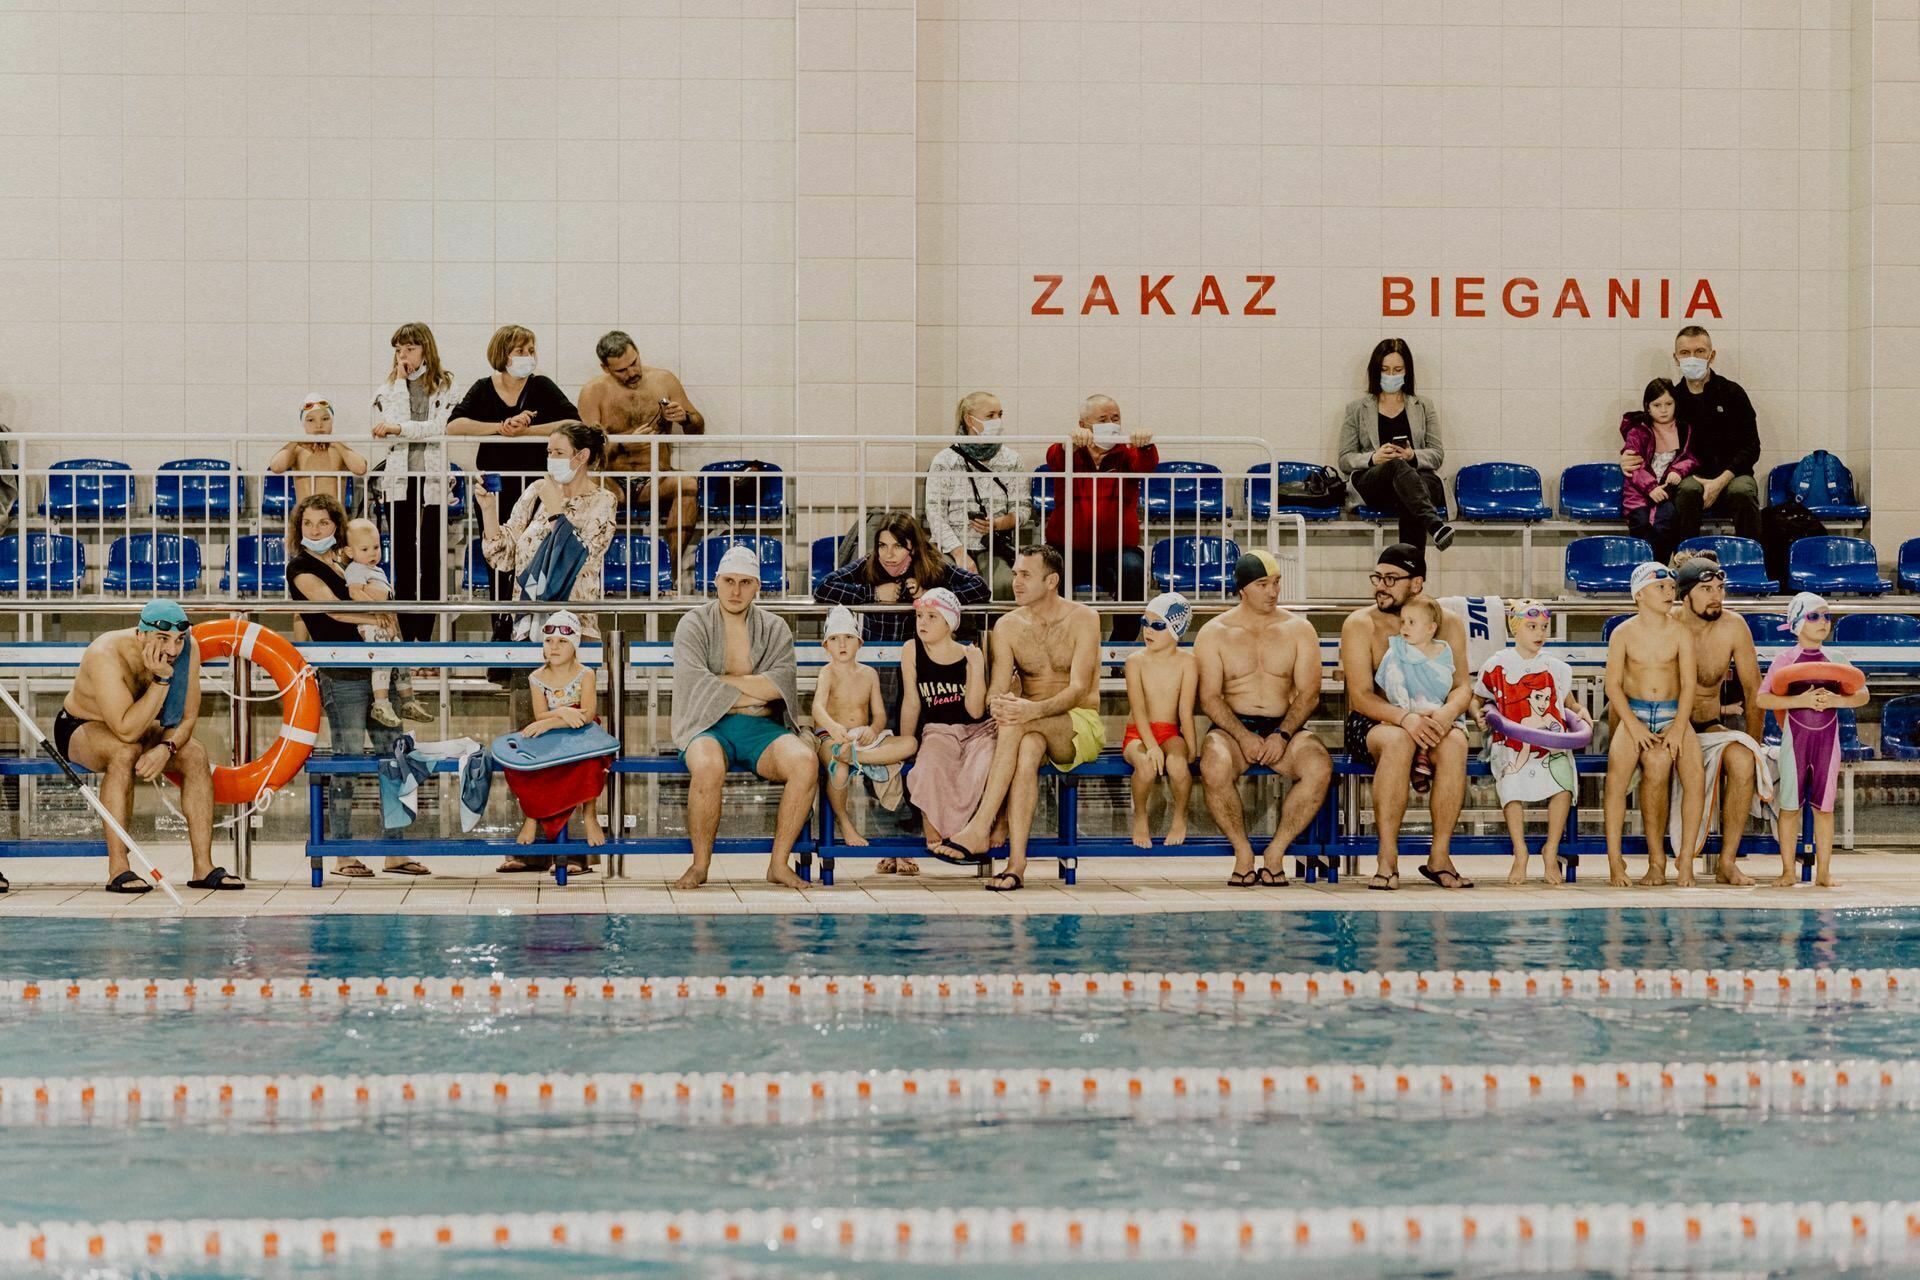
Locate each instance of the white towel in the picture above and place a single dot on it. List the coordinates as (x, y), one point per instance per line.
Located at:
(1485, 618)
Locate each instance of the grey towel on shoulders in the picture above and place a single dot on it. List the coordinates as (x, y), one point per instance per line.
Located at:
(700, 697)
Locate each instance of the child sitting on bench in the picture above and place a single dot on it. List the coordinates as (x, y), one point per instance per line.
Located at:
(1809, 736)
(850, 728)
(1160, 738)
(1417, 673)
(1532, 690)
(565, 692)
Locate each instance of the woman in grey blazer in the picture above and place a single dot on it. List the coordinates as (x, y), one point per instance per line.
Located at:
(1390, 448)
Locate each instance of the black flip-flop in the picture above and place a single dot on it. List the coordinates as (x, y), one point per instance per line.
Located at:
(991, 887)
(1459, 881)
(1268, 878)
(1243, 880)
(128, 882)
(4, 886)
(1385, 882)
(964, 858)
(218, 878)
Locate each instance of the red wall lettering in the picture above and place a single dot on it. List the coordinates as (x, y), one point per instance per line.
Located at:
(1531, 303)
(1040, 307)
(1154, 294)
(1253, 307)
(1396, 296)
(1464, 297)
(1570, 297)
(1099, 295)
(1209, 296)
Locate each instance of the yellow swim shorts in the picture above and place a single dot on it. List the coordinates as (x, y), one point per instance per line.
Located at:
(1089, 736)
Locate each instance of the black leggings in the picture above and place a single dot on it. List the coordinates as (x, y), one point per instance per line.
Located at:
(418, 562)
(1414, 495)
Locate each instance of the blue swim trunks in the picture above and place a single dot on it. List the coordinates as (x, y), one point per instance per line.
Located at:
(744, 738)
(1658, 713)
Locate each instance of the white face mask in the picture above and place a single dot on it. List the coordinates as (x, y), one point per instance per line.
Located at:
(561, 469)
(1390, 383)
(992, 427)
(520, 366)
(417, 374)
(1693, 368)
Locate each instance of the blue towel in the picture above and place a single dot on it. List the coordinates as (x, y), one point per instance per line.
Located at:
(551, 573)
(406, 766)
(174, 709)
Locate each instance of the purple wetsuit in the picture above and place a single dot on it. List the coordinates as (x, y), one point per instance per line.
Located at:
(1809, 740)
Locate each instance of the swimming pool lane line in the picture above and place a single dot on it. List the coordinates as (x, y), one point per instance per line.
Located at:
(1534, 1238)
(1031, 990)
(801, 1097)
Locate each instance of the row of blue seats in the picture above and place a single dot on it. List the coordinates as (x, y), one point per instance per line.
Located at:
(1603, 565)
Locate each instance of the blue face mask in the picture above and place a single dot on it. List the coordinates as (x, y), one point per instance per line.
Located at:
(319, 546)
(1390, 383)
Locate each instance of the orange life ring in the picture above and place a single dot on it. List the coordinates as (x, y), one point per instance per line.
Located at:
(299, 707)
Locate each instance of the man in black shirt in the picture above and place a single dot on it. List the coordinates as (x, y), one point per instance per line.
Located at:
(1717, 420)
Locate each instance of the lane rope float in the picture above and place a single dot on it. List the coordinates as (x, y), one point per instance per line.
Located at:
(1530, 1237)
(1456, 1092)
(739, 993)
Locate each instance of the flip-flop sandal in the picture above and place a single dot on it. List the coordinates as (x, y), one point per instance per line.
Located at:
(991, 887)
(218, 878)
(1384, 882)
(956, 854)
(127, 882)
(513, 866)
(1439, 877)
(1243, 880)
(1268, 878)
(4, 886)
(407, 868)
(355, 871)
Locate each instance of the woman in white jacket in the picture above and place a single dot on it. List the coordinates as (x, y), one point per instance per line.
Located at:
(414, 404)
(977, 494)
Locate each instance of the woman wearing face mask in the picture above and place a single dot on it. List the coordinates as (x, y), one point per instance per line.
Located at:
(316, 557)
(1390, 449)
(513, 407)
(552, 549)
(414, 405)
(976, 498)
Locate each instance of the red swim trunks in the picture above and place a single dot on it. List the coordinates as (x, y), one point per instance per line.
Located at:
(1161, 732)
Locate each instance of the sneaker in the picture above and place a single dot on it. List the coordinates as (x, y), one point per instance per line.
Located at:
(414, 709)
(1443, 535)
(382, 713)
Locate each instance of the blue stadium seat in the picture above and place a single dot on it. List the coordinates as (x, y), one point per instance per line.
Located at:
(277, 501)
(1744, 560)
(1908, 569)
(478, 573)
(1604, 564)
(1837, 502)
(1591, 491)
(1612, 625)
(629, 570)
(79, 489)
(1499, 491)
(1200, 492)
(1195, 565)
(1836, 566)
(55, 562)
(457, 501)
(773, 560)
(152, 563)
(256, 565)
(1260, 485)
(1043, 497)
(1900, 728)
(823, 559)
(743, 491)
(198, 489)
(1765, 628)
(1378, 516)
(1877, 628)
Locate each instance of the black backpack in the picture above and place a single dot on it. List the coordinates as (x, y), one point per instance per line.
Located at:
(1782, 525)
(1322, 487)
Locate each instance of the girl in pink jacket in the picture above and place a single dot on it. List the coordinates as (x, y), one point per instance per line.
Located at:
(1657, 439)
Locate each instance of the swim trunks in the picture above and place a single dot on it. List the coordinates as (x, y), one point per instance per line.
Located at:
(1161, 732)
(1358, 727)
(744, 738)
(65, 725)
(1089, 736)
(1262, 726)
(1656, 713)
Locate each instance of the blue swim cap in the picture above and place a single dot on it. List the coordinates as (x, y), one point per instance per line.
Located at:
(163, 615)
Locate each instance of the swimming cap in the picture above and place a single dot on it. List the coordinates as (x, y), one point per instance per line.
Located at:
(1803, 604)
(565, 618)
(162, 615)
(1645, 574)
(943, 602)
(741, 560)
(841, 622)
(1172, 606)
(1406, 556)
(1696, 571)
(1251, 567)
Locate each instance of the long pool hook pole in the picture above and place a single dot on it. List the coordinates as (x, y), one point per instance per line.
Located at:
(88, 794)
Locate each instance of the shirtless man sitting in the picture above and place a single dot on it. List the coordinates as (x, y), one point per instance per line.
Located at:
(1259, 681)
(629, 399)
(1651, 688)
(1044, 693)
(734, 691)
(1387, 736)
(1722, 649)
(131, 714)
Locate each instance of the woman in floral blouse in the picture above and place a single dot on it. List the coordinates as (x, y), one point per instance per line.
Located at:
(571, 491)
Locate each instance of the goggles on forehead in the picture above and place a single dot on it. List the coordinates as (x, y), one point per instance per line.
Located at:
(1709, 575)
(558, 629)
(1532, 611)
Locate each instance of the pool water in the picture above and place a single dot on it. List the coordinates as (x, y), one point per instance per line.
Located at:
(467, 1162)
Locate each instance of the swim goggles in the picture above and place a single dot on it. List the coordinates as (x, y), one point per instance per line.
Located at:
(1532, 611)
(1153, 624)
(183, 626)
(558, 629)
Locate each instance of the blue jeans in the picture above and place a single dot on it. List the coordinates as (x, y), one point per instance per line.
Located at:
(347, 696)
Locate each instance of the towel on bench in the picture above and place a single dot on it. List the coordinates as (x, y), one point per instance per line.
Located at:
(408, 762)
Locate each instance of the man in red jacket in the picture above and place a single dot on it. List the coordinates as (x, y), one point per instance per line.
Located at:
(1103, 542)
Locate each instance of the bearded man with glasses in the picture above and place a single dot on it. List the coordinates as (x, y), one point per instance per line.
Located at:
(1386, 736)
